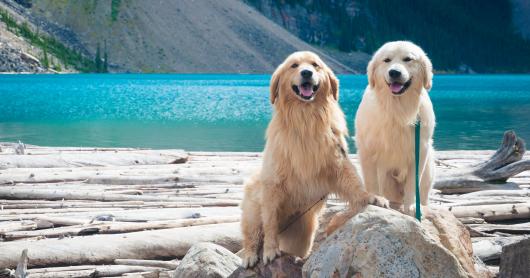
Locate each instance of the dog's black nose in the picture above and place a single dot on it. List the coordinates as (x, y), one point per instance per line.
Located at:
(306, 73)
(394, 73)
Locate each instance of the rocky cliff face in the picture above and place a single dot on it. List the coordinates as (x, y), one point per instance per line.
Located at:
(457, 35)
(317, 22)
(521, 17)
(322, 23)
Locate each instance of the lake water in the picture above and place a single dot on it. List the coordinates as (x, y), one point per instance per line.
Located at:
(228, 112)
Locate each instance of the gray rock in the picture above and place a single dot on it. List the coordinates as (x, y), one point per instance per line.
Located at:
(207, 260)
(515, 260)
(284, 266)
(382, 243)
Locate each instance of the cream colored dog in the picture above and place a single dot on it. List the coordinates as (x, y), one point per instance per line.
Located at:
(305, 159)
(400, 76)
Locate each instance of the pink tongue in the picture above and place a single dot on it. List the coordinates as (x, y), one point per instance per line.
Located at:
(306, 91)
(396, 87)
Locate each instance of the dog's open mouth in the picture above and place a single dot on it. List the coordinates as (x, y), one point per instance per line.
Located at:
(398, 88)
(307, 90)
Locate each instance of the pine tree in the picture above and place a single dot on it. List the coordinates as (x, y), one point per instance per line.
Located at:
(45, 61)
(98, 59)
(105, 59)
(105, 63)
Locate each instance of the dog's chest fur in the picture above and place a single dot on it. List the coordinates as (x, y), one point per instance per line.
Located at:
(396, 148)
(386, 131)
(304, 155)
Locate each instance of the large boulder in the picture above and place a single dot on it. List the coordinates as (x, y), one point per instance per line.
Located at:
(207, 260)
(448, 231)
(385, 243)
(515, 260)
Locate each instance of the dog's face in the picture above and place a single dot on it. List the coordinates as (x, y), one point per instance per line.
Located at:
(399, 66)
(303, 77)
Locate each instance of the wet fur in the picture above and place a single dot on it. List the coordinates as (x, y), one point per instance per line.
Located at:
(305, 158)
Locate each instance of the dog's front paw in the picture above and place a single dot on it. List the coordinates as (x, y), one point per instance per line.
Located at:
(269, 254)
(378, 201)
(338, 220)
(249, 260)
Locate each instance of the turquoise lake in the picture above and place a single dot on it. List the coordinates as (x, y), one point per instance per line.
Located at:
(228, 112)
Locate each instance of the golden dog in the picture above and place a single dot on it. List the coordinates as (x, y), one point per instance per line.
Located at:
(400, 76)
(305, 159)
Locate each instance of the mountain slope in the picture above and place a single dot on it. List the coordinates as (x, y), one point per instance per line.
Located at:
(176, 36)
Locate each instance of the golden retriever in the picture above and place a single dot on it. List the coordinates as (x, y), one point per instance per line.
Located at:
(305, 159)
(399, 77)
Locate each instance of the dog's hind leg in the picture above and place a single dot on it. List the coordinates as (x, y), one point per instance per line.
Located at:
(409, 188)
(297, 239)
(392, 189)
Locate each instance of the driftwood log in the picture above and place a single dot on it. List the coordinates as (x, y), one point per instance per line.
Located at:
(104, 249)
(494, 212)
(150, 263)
(91, 271)
(50, 194)
(522, 228)
(116, 228)
(136, 215)
(65, 159)
(490, 174)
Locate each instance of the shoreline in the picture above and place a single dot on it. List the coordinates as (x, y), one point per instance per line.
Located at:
(53, 72)
(153, 193)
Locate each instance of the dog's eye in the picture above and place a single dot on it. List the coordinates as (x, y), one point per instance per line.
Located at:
(387, 60)
(315, 65)
(295, 65)
(407, 59)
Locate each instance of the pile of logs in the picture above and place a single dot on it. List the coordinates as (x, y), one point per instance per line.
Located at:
(102, 212)
(490, 193)
(95, 212)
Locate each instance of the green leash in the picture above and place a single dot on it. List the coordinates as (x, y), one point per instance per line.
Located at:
(417, 164)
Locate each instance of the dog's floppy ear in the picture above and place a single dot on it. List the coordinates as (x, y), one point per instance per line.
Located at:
(334, 81)
(274, 85)
(427, 72)
(370, 71)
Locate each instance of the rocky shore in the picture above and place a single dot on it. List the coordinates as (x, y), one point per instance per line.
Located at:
(118, 212)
